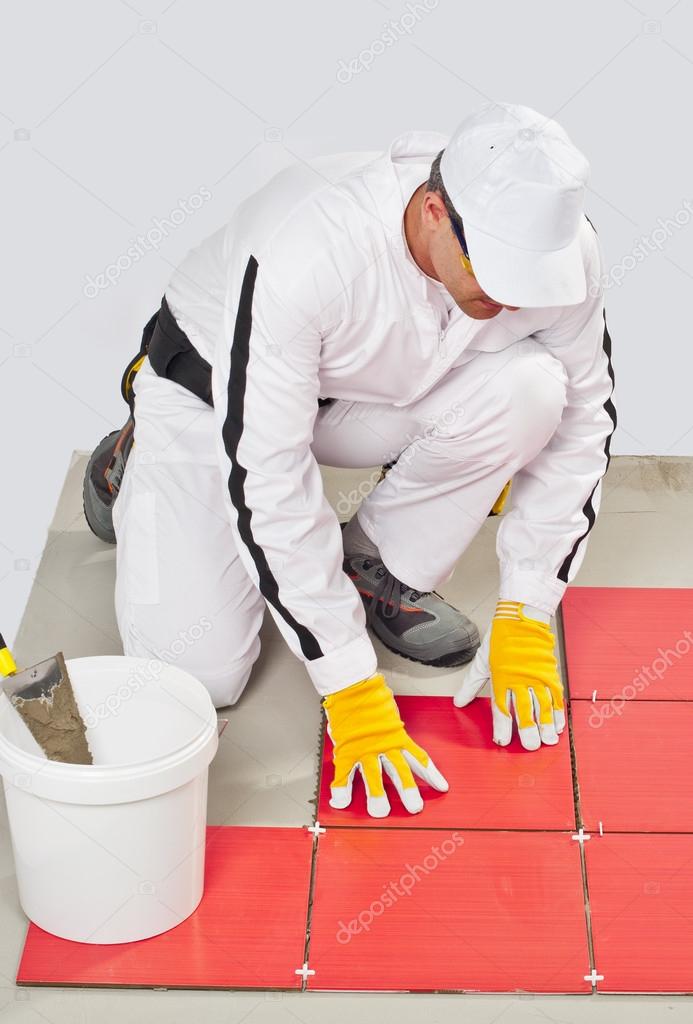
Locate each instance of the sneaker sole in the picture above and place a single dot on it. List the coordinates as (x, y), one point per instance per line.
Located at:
(449, 660)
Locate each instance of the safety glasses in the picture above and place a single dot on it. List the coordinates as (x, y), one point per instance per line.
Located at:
(464, 255)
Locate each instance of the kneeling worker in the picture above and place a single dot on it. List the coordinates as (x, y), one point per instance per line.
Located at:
(435, 309)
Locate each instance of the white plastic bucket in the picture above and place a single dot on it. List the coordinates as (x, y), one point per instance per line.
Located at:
(114, 851)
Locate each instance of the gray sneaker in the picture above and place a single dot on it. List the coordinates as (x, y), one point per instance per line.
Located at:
(420, 626)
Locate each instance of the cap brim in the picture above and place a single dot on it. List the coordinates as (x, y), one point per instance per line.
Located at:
(519, 277)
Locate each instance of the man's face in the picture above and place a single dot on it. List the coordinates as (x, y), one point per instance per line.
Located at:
(444, 252)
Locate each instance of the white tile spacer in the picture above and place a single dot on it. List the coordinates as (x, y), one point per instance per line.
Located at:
(316, 829)
(594, 977)
(594, 696)
(304, 971)
(601, 829)
(581, 836)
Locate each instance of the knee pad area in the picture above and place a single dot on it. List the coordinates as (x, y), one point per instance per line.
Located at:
(534, 398)
(220, 672)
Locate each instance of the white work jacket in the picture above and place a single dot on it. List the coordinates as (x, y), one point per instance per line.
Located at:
(309, 291)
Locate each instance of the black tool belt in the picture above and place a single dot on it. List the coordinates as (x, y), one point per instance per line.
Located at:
(172, 355)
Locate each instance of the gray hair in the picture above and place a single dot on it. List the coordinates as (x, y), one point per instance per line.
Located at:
(435, 184)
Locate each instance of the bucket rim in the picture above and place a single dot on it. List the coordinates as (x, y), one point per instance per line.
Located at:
(18, 760)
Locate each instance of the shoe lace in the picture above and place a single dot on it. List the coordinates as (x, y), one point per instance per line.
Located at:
(390, 591)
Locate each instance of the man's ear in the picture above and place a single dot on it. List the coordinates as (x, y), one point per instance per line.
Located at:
(433, 209)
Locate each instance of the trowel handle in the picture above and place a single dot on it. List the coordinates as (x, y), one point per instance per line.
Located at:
(7, 662)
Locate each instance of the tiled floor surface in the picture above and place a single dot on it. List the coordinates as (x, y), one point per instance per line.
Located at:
(265, 773)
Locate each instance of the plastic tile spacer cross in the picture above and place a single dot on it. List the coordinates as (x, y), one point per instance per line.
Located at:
(248, 931)
(581, 836)
(420, 910)
(629, 642)
(641, 903)
(490, 786)
(634, 767)
(304, 972)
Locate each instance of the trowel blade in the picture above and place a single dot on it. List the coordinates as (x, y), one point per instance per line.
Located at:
(38, 681)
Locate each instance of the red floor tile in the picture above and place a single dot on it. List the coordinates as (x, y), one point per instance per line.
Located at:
(641, 898)
(490, 786)
(248, 931)
(634, 767)
(500, 912)
(629, 642)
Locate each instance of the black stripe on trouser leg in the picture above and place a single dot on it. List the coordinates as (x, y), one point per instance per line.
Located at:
(231, 433)
(588, 508)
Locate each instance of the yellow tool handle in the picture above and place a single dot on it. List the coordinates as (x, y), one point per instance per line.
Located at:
(7, 662)
(500, 501)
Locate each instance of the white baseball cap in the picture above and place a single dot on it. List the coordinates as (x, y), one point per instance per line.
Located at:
(518, 184)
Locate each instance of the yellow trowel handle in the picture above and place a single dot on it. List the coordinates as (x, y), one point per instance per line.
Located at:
(500, 501)
(7, 662)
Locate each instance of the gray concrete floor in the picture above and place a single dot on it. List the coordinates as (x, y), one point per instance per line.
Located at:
(265, 772)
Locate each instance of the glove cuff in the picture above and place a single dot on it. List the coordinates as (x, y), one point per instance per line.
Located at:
(364, 715)
(519, 610)
(355, 691)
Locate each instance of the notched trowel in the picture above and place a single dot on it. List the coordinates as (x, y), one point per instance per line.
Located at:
(43, 697)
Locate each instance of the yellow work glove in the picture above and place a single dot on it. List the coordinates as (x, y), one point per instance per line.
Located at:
(368, 734)
(517, 656)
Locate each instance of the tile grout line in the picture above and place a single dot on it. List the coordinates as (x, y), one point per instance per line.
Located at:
(314, 853)
(563, 666)
(375, 827)
(579, 824)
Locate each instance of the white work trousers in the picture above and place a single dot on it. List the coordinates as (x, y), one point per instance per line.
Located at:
(182, 593)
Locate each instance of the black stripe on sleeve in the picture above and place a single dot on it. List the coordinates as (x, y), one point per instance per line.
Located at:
(231, 433)
(588, 508)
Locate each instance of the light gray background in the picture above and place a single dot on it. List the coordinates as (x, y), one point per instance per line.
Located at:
(112, 112)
